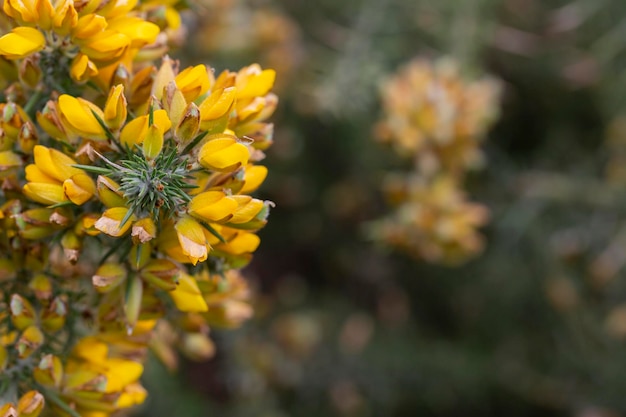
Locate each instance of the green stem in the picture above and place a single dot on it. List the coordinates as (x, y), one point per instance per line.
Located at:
(29, 108)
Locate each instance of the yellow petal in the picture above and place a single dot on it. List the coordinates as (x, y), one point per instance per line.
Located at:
(223, 154)
(55, 164)
(187, 295)
(253, 178)
(121, 373)
(108, 277)
(153, 142)
(247, 209)
(34, 174)
(89, 26)
(133, 394)
(252, 82)
(108, 192)
(218, 103)
(140, 32)
(243, 243)
(44, 193)
(77, 115)
(115, 111)
(106, 46)
(82, 69)
(9, 159)
(91, 350)
(135, 131)
(132, 134)
(65, 17)
(21, 42)
(212, 206)
(79, 188)
(193, 82)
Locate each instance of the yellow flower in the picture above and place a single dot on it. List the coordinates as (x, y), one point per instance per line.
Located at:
(253, 82)
(77, 116)
(52, 179)
(136, 130)
(82, 68)
(111, 221)
(254, 175)
(213, 206)
(115, 110)
(193, 82)
(192, 239)
(223, 153)
(100, 36)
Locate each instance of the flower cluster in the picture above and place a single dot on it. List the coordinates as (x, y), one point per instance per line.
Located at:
(437, 119)
(125, 204)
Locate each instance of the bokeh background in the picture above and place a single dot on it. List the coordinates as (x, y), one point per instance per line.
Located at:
(347, 326)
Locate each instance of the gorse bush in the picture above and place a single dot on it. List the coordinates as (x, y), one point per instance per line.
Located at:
(125, 206)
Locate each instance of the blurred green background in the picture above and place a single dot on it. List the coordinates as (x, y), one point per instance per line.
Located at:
(343, 326)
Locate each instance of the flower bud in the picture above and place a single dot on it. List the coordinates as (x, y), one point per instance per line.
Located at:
(108, 277)
(193, 82)
(197, 346)
(9, 162)
(72, 246)
(65, 17)
(191, 239)
(143, 230)
(31, 404)
(121, 76)
(82, 69)
(189, 125)
(243, 243)
(112, 221)
(53, 318)
(41, 285)
(49, 372)
(8, 410)
(30, 71)
(174, 102)
(153, 142)
(163, 77)
(115, 108)
(108, 192)
(22, 312)
(48, 119)
(27, 138)
(215, 110)
(141, 87)
(21, 42)
(30, 341)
